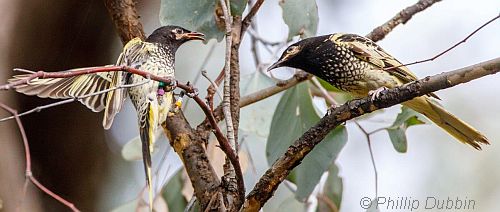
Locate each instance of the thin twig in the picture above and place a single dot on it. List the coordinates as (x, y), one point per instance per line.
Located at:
(329, 98)
(29, 173)
(83, 71)
(226, 102)
(223, 141)
(368, 140)
(202, 68)
(449, 49)
(40, 108)
(248, 18)
(212, 83)
(401, 18)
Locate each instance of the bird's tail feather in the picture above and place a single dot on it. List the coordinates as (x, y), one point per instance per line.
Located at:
(447, 121)
(147, 137)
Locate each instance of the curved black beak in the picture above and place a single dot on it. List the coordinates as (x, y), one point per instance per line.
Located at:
(277, 64)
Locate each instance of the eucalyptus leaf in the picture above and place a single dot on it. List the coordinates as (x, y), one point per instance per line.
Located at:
(397, 131)
(294, 115)
(193, 15)
(301, 16)
(200, 16)
(332, 190)
(132, 150)
(255, 117)
(172, 193)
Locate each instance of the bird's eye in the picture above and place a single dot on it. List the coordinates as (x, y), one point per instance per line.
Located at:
(178, 31)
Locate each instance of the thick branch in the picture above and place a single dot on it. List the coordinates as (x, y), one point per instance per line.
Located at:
(401, 18)
(190, 147)
(266, 186)
(126, 19)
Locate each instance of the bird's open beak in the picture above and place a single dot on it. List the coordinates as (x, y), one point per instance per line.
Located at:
(275, 65)
(193, 36)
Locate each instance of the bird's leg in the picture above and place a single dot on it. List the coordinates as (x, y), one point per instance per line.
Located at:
(169, 86)
(376, 93)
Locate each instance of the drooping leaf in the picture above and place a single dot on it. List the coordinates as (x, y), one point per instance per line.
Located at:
(294, 115)
(315, 163)
(332, 190)
(284, 201)
(255, 117)
(238, 6)
(201, 16)
(172, 193)
(301, 16)
(132, 150)
(397, 131)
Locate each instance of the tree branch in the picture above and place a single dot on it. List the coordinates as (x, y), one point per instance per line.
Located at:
(28, 172)
(401, 18)
(124, 15)
(266, 186)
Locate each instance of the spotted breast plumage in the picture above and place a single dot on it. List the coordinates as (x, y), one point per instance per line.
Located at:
(359, 66)
(151, 99)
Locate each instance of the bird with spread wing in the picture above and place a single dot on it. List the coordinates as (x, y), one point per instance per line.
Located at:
(152, 99)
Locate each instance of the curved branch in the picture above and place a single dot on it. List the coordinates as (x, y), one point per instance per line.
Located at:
(401, 18)
(266, 186)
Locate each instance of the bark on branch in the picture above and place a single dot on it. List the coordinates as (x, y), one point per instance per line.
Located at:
(275, 175)
(124, 15)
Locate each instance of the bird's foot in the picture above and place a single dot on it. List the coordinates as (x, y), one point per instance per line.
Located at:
(376, 93)
(171, 86)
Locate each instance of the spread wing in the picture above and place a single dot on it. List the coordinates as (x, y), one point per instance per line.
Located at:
(133, 51)
(63, 88)
(367, 50)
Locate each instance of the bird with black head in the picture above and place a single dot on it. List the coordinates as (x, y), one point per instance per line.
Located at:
(151, 99)
(357, 65)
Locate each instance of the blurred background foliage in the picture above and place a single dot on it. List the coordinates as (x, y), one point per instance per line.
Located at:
(97, 170)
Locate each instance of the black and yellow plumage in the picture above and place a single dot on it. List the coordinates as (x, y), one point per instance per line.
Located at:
(152, 99)
(357, 65)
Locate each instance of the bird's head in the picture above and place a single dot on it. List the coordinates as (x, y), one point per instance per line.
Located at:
(298, 54)
(173, 36)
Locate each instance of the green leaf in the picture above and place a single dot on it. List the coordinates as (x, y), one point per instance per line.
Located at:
(315, 163)
(294, 115)
(327, 85)
(255, 117)
(132, 150)
(284, 200)
(397, 131)
(332, 189)
(172, 193)
(301, 16)
(200, 16)
(238, 6)
(193, 15)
